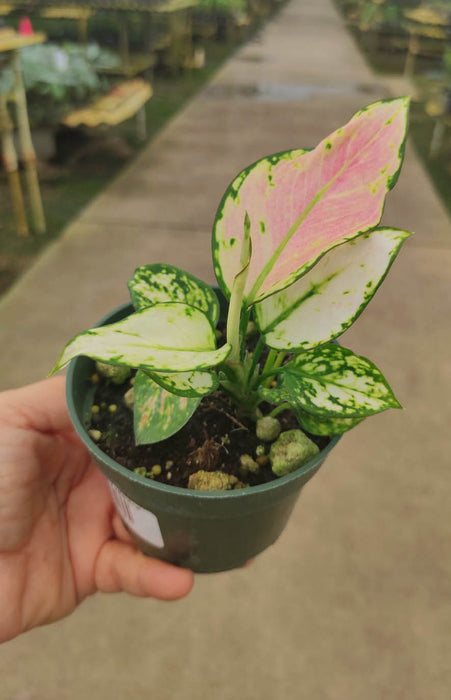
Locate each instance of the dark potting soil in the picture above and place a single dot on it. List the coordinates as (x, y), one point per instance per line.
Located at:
(214, 439)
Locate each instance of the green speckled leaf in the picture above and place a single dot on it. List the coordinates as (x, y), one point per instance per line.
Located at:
(157, 413)
(190, 384)
(166, 337)
(314, 424)
(327, 300)
(154, 284)
(332, 381)
(322, 425)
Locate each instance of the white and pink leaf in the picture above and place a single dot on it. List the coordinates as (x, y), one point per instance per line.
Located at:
(328, 298)
(303, 203)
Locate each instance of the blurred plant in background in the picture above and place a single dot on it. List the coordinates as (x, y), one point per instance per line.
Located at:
(377, 14)
(223, 5)
(60, 77)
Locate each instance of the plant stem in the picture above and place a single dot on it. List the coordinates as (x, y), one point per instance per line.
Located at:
(228, 371)
(269, 366)
(233, 322)
(236, 297)
(256, 356)
(243, 328)
(279, 359)
(279, 409)
(269, 360)
(269, 374)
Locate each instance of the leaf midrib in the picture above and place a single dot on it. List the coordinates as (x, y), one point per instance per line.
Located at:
(291, 308)
(272, 260)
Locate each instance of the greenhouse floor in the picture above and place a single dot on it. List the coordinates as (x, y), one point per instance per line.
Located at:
(354, 600)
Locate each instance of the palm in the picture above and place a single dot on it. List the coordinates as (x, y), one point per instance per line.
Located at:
(59, 538)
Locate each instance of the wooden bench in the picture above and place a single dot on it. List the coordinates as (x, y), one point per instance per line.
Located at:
(429, 30)
(438, 109)
(80, 15)
(124, 101)
(132, 66)
(10, 44)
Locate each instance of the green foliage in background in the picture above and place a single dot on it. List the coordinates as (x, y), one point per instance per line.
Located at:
(374, 14)
(447, 60)
(58, 78)
(223, 5)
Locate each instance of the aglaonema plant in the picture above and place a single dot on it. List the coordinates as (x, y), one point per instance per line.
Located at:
(298, 253)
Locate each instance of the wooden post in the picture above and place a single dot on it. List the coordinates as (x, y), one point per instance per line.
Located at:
(189, 47)
(437, 137)
(83, 30)
(26, 146)
(413, 48)
(174, 47)
(141, 124)
(12, 169)
(123, 39)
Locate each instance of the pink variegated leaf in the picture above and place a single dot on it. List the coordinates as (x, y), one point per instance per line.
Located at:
(158, 413)
(303, 203)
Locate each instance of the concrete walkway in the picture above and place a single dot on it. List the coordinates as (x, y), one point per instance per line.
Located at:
(354, 601)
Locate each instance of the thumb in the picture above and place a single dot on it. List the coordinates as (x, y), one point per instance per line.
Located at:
(121, 567)
(40, 406)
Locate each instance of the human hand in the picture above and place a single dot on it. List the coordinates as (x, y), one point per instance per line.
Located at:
(60, 537)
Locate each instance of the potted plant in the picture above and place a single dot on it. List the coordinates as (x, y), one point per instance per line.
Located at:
(244, 413)
(59, 78)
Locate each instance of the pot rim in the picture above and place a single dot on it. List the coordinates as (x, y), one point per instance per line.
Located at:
(167, 488)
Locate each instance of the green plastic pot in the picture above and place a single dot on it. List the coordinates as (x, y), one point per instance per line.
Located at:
(206, 531)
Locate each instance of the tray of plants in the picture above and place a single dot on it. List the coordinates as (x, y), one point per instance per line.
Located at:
(208, 409)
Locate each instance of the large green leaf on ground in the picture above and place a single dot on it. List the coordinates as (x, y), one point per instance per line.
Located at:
(332, 381)
(303, 203)
(157, 283)
(166, 337)
(327, 299)
(157, 413)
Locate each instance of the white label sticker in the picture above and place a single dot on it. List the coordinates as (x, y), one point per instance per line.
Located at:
(141, 521)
